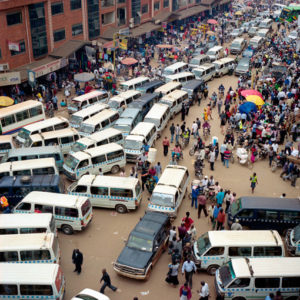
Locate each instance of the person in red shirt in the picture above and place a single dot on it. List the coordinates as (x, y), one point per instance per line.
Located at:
(187, 221)
(221, 219)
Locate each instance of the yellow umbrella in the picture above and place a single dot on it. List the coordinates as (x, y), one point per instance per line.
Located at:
(239, 13)
(257, 100)
(6, 101)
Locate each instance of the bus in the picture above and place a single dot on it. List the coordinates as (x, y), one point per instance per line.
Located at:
(290, 13)
(14, 117)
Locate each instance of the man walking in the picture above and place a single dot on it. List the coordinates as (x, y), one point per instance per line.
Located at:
(212, 158)
(166, 145)
(254, 182)
(107, 282)
(177, 133)
(204, 291)
(77, 259)
(202, 205)
(221, 219)
(172, 131)
(189, 268)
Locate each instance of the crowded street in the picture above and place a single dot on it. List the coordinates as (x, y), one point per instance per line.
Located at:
(137, 136)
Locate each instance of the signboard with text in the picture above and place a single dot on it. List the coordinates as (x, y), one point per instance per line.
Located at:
(50, 67)
(10, 78)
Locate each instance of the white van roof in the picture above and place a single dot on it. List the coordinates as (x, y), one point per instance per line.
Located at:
(6, 139)
(156, 111)
(109, 181)
(24, 220)
(256, 39)
(55, 199)
(224, 60)
(9, 242)
(245, 238)
(97, 107)
(168, 86)
(99, 136)
(174, 95)
(124, 95)
(28, 273)
(89, 95)
(238, 40)
(33, 151)
(205, 66)
(176, 65)
(179, 75)
(54, 134)
(45, 123)
(32, 163)
(99, 117)
(5, 167)
(266, 267)
(215, 48)
(135, 80)
(169, 190)
(172, 176)
(142, 129)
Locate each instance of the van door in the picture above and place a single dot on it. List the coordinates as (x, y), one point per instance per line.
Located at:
(100, 196)
(213, 259)
(114, 161)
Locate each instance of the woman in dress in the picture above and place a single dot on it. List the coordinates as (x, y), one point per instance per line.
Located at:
(185, 292)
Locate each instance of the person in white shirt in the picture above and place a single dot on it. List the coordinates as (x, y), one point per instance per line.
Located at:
(204, 292)
(189, 268)
(195, 129)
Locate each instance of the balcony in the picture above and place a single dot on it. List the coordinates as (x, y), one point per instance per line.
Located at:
(107, 3)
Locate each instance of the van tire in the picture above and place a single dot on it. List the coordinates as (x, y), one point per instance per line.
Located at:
(67, 229)
(121, 209)
(115, 169)
(211, 270)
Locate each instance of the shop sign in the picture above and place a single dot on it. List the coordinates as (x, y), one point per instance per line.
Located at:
(31, 78)
(50, 67)
(10, 78)
(14, 46)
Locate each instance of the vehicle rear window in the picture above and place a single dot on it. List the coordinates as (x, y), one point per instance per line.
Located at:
(85, 207)
(9, 231)
(8, 289)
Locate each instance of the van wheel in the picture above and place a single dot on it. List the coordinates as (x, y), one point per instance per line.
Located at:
(211, 270)
(67, 229)
(239, 298)
(115, 169)
(121, 209)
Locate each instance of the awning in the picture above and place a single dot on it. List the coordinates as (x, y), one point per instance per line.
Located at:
(225, 2)
(109, 33)
(142, 29)
(68, 48)
(165, 16)
(191, 11)
(208, 2)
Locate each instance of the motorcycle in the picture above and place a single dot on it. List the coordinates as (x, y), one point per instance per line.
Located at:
(206, 133)
(263, 153)
(278, 162)
(198, 166)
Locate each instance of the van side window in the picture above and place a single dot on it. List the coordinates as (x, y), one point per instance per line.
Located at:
(47, 129)
(98, 159)
(80, 189)
(84, 103)
(35, 255)
(239, 251)
(115, 155)
(29, 157)
(24, 206)
(38, 144)
(66, 212)
(215, 251)
(289, 282)
(104, 142)
(264, 283)
(246, 213)
(5, 146)
(93, 100)
(13, 159)
(33, 230)
(83, 164)
(114, 118)
(30, 289)
(8, 289)
(290, 216)
(66, 140)
(267, 251)
(44, 208)
(8, 231)
(9, 256)
(121, 192)
(62, 125)
(115, 138)
(43, 171)
(102, 191)
(239, 283)
(21, 172)
(51, 142)
(105, 123)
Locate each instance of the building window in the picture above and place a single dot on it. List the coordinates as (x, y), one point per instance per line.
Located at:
(166, 3)
(57, 8)
(14, 18)
(0, 54)
(75, 4)
(77, 29)
(121, 15)
(93, 18)
(59, 35)
(22, 49)
(145, 9)
(136, 11)
(121, 1)
(108, 18)
(156, 5)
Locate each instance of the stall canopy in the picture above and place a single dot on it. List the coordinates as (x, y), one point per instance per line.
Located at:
(129, 61)
(212, 21)
(84, 77)
(68, 48)
(247, 107)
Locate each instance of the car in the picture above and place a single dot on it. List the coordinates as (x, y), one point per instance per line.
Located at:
(248, 53)
(88, 294)
(243, 66)
(236, 32)
(293, 35)
(212, 44)
(201, 49)
(144, 246)
(252, 31)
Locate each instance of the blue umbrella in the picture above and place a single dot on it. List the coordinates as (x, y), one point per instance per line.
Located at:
(247, 107)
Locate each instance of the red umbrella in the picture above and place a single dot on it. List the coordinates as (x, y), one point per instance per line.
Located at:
(129, 61)
(246, 93)
(212, 21)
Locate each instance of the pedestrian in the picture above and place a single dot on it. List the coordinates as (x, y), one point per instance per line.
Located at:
(219, 103)
(106, 282)
(185, 292)
(4, 205)
(204, 291)
(192, 232)
(221, 219)
(215, 215)
(133, 172)
(157, 168)
(254, 182)
(227, 155)
(212, 157)
(220, 197)
(172, 131)
(195, 129)
(172, 276)
(181, 231)
(166, 145)
(188, 269)
(195, 192)
(236, 225)
(182, 112)
(187, 221)
(144, 177)
(177, 133)
(77, 259)
(202, 205)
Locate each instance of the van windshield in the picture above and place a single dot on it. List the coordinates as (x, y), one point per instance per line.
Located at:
(85, 207)
(168, 72)
(78, 147)
(123, 128)
(235, 45)
(114, 104)
(139, 243)
(211, 52)
(235, 207)
(198, 73)
(203, 244)
(86, 128)
(132, 144)
(76, 119)
(24, 133)
(124, 87)
(75, 104)
(226, 274)
(162, 199)
(195, 61)
(71, 162)
(163, 101)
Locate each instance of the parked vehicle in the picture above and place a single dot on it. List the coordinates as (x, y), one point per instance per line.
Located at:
(252, 31)
(196, 61)
(205, 72)
(243, 67)
(6, 144)
(134, 83)
(237, 45)
(237, 32)
(150, 87)
(215, 53)
(175, 68)
(88, 294)
(292, 241)
(145, 103)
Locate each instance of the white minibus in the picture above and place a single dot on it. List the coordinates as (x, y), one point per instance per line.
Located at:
(52, 124)
(215, 248)
(83, 101)
(263, 33)
(205, 72)
(175, 68)
(182, 77)
(42, 166)
(121, 101)
(159, 115)
(256, 278)
(215, 53)
(103, 137)
(104, 119)
(70, 212)
(6, 144)
(168, 88)
(105, 158)
(29, 248)
(170, 190)
(13, 118)
(223, 66)
(266, 23)
(79, 117)
(174, 100)
(134, 83)
(142, 133)
(32, 281)
(121, 193)
(27, 223)
(256, 42)
(198, 60)
(64, 138)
